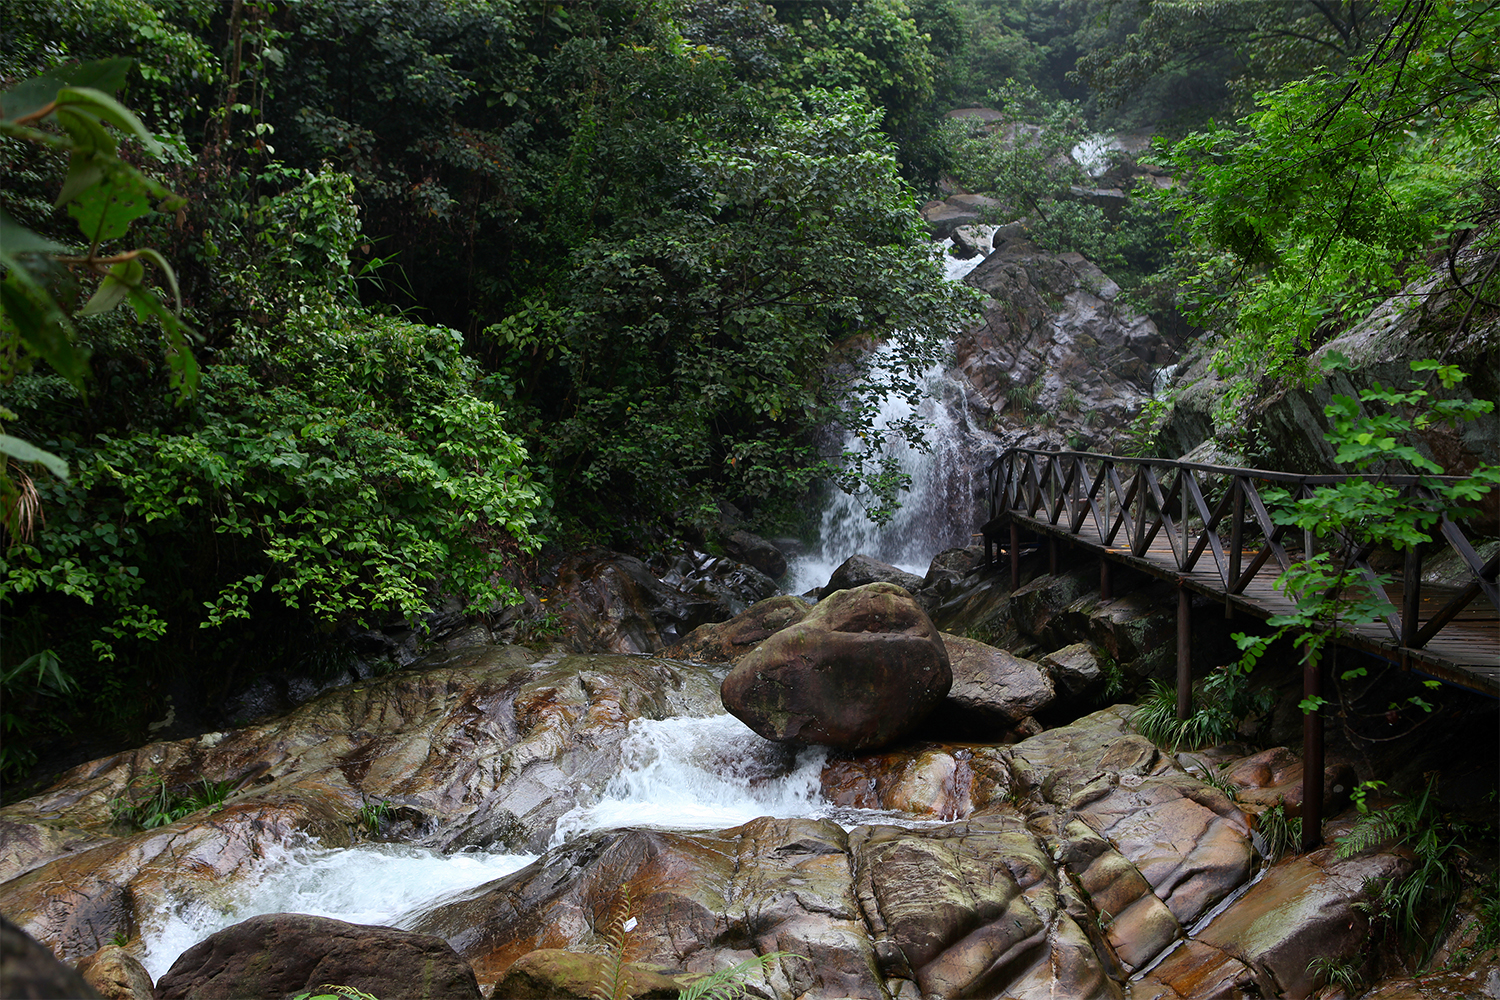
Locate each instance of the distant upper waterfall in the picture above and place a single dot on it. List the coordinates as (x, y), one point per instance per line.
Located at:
(938, 512)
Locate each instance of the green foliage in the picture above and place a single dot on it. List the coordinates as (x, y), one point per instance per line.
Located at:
(1336, 190)
(162, 804)
(688, 355)
(1222, 702)
(732, 982)
(1280, 834)
(1421, 904)
(335, 991)
(65, 112)
(1331, 594)
(1343, 973)
(373, 815)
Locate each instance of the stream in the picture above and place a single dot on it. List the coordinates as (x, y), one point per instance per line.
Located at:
(677, 774)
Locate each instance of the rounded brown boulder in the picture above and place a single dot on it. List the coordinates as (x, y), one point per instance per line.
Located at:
(279, 954)
(862, 670)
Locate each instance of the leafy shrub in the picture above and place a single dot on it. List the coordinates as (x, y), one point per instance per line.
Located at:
(1222, 702)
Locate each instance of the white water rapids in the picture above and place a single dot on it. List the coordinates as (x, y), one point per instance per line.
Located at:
(678, 774)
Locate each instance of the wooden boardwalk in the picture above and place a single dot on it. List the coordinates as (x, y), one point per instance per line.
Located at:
(1207, 529)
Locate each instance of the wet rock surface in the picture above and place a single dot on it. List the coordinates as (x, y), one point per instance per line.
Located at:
(491, 745)
(725, 642)
(861, 570)
(992, 690)
(116, 974)
(1055, 340)
(863, 669)
(28, 969)
(1063, 863)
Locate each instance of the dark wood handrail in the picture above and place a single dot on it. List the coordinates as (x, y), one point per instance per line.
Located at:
(1211, 515)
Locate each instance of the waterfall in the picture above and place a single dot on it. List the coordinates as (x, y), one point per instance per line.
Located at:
(938, 511)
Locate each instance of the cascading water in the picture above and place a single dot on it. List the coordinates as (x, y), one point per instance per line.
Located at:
(938, 511)
(375, 884)
(680, 773)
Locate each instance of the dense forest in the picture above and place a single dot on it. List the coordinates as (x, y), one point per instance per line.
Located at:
(318, 310)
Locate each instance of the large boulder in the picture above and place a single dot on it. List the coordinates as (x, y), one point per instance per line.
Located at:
(278, 954)
(702, 902)
(756, 551)
(29, 971)
(862, 670)
(117, 974)
(859, 570)
(992, 690)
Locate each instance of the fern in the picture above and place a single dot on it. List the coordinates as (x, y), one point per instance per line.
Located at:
(616, 985)
(729, 984)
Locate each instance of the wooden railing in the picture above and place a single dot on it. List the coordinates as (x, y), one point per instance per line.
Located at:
(1214, 513)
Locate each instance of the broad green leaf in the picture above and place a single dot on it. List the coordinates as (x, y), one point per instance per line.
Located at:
(42, 326)
(105, 210)
(30, 96)
(167, 272)
(107, 108)
(25, 451)
(87, 131)
(123, 277)
(84, 172)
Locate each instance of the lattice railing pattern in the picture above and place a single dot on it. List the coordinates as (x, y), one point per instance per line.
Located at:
(1213, 513)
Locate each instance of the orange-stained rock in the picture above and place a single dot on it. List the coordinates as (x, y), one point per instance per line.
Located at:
(488, 745)
(702, 901)
(1305, 907)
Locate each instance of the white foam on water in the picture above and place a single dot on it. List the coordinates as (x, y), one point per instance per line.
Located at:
(373, 884)
(701, 774)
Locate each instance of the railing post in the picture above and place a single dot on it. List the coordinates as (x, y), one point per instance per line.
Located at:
(1184, 652)
(1312, 755)
(1015, 556)
(1411, 597)
(1236, 542)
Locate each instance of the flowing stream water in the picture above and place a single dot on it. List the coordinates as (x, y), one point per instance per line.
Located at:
(679, 774)
(937, 512)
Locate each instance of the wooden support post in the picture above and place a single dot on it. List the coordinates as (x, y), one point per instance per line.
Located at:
(1051, 555)
(1015, 556)
(1184, 652)
(1236, 542)
(1106, 582)
(1312, 757)
(1411, 597)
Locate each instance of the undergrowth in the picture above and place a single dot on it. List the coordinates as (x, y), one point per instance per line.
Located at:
(161, 805)
(1222, 703)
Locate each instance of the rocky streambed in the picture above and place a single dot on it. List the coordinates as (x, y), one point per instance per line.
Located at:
(1076, 861)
